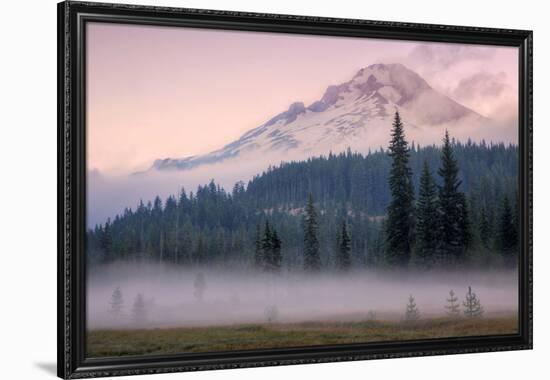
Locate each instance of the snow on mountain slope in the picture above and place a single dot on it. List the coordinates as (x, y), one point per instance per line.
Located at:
(356, 114)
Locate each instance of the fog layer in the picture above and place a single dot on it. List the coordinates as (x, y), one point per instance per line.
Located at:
(178, 297)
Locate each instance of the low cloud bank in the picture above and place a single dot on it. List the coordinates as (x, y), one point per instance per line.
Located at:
(178, 297)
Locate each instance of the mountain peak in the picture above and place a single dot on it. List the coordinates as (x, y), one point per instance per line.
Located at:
(355, 114)
(406, 82)
(387, 82)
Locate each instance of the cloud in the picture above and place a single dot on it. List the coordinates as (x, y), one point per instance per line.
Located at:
(479, 77)
(481, 84)
(489, 94)
(439, 56)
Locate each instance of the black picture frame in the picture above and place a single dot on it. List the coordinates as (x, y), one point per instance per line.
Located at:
(72, 17)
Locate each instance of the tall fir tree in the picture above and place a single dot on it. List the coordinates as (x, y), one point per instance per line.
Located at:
(106, 242)
(141, 214)
(400, 221)
(267, 247)
(426, 220)
(312, 259)
(276, 256)
(517, 217)
(484, 229)
(187, 242)
(199, 255)
(258, 251)
(343, 258)
(158, 228)
(453, 218)
(464, 222)
(507, 241)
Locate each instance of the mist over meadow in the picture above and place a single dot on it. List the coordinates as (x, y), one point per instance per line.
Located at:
(178, 297)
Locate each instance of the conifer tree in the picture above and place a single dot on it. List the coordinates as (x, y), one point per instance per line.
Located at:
(138, 311)
(276, 257)
(199, 285)
(426, 219)
(200, 250)
(516, 216)
(454, 223)
(187, 242)
(267, 248)
(106, 241)
(176, 234)
(484, 228)
(271, 313)
(400, 221)
(312, 260)
(157, 228)
(258, 252)
(464, 223)
(411, 312)
(472, 305)
(507, 234)
(453, 306)
(117, 302)
(141, 215)
(161, 246)
(343, 259)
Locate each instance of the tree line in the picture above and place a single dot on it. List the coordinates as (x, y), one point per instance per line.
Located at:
(360, 181)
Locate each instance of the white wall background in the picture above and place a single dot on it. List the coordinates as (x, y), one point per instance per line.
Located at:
(28, 187)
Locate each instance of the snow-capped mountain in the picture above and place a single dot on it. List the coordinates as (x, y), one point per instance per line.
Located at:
(357, 114)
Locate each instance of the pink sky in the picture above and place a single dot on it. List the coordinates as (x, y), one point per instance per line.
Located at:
(156, 92)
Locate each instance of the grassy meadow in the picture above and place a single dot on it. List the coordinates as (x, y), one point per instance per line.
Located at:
(112, 343)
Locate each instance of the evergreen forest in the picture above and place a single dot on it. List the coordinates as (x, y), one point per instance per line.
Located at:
(448, 205)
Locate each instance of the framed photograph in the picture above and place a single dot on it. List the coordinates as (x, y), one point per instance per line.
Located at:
(242, 189)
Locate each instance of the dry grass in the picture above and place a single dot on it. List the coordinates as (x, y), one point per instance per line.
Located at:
(109, 343)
